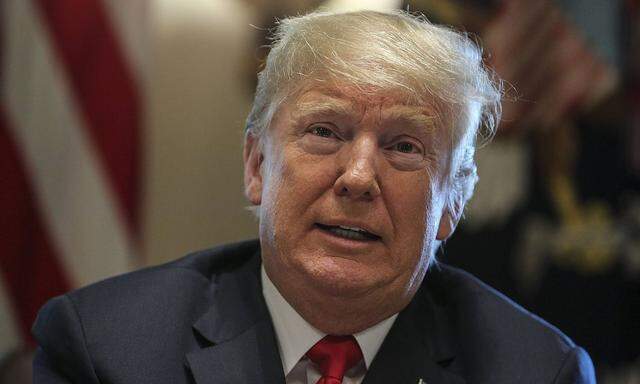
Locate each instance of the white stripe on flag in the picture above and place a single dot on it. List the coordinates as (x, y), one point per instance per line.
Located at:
(78, 204)
(126, 16)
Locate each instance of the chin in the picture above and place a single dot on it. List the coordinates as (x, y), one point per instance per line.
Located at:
(339, 276)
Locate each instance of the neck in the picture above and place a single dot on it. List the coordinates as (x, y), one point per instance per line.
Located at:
(338, 314)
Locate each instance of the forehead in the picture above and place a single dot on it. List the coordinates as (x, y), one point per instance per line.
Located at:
(353, 103)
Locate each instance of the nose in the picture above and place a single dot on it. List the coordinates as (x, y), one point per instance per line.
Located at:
(358, 176)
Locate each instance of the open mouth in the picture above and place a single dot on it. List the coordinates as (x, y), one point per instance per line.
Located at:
(350, 233)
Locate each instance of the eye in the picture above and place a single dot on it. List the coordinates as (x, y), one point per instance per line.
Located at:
(322, 131)
(406, 152)
(409, 147)
(321, 138)
(405, 147)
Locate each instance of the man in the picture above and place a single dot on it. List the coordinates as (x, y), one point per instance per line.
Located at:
(358, 161)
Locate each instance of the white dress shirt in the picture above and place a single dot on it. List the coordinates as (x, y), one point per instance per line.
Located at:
(295, 336)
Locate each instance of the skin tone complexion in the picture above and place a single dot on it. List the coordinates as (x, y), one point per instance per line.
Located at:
(352, 193)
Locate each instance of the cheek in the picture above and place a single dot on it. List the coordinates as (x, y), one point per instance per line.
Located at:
(294, 184)
(415, 207)
(407, 196)
(272, 180)
(293, 181)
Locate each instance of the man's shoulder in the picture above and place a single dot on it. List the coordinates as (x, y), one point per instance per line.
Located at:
(191, 271)
(489, 310)
(129, 320)
(180, 285)
(493, 331)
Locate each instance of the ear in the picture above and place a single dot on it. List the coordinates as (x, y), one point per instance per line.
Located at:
(448, 223)
(252, 156)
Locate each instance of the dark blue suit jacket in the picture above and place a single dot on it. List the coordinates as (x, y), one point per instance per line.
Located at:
(202, 319)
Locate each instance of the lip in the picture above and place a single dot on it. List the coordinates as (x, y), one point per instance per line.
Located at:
(343, 245)
(351, 224)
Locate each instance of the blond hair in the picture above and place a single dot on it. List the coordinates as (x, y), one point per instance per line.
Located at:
(388, 51)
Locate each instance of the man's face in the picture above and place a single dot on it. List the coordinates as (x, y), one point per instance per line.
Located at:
(351, 193)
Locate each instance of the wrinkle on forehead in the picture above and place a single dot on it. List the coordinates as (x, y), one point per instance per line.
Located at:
(345, 102)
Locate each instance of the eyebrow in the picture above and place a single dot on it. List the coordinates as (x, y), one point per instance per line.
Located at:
(326, 106)
(409, 115)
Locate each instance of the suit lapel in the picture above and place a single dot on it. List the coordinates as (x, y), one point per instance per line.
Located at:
(420, 345)
(243, 359)
(236, 336)
(237, 342)
(402, 361)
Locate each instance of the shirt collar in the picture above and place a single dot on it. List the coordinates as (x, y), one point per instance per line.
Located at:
(296, 336)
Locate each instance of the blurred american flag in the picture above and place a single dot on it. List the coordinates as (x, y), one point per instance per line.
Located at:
(555, 71)
(70, 127)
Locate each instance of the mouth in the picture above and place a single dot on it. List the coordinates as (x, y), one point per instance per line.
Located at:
(351, 233)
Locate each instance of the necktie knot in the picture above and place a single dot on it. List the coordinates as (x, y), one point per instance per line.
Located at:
(335, 355)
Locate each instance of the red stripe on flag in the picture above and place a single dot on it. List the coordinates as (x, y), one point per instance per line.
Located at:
(104, 89)
(28, 261)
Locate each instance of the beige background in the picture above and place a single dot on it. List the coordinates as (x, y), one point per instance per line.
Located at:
(198, 98)
(197, 105)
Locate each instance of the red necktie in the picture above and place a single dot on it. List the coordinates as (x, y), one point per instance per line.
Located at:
(335, 355)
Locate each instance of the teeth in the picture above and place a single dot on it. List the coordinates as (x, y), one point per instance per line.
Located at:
(354, 234)
(352, 228)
